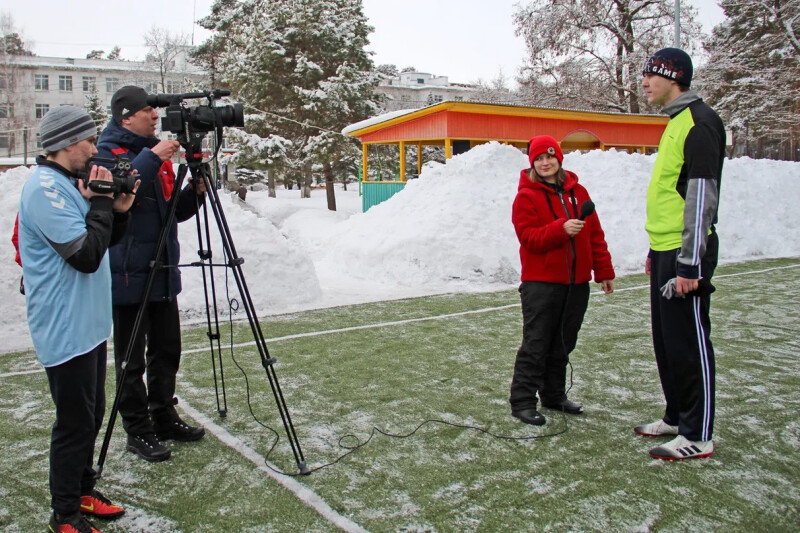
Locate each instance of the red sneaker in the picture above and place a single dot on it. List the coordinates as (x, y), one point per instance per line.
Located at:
(75, 523)
(96, 504)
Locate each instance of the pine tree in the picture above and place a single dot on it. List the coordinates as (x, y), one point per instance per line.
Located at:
(95, 108)
(302, 66)
(12, 45)
(752, 75)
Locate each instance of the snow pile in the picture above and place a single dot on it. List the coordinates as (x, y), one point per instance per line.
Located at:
(448, 231)
(452, 226)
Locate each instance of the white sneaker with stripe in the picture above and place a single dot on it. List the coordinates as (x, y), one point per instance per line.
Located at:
(656, 429)
(681, 448)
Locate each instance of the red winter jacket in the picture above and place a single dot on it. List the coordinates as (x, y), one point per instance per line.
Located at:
(545, 248)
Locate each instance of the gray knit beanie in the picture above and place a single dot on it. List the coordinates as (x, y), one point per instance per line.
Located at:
(65, 125)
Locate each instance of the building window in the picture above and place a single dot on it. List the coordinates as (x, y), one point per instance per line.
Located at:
(41, 82)
(38, 140)
(459, 98)
(41, 109)
(89, 83)
(112, 84)
(65, 83)
(421, 80)
(151, 87)
(173, 86)
(5, 141)
(3, 84)
(5, 111)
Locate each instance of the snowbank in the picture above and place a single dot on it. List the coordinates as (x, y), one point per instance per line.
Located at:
(447, 231)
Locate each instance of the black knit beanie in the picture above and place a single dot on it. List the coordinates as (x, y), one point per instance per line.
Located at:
(671, 63)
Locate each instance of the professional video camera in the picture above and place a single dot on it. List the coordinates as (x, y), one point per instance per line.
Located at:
(181, 118)
(121, 173)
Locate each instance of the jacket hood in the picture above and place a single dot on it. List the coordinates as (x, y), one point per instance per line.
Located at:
(114, 133)
(526, 182)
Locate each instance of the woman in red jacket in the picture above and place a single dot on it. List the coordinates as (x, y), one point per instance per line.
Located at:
(558, 252)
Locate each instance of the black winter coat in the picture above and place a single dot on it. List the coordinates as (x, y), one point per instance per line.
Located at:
(131, 257)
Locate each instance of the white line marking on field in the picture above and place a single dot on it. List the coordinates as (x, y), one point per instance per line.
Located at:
(721, 276)
(22, 373)
(424, 319)
(306, 495)
(449, 315)
(365, 326)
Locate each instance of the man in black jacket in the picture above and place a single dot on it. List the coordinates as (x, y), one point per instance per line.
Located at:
(148, 411)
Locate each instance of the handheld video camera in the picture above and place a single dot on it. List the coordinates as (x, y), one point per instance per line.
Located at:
(121, 179)
(181, 118)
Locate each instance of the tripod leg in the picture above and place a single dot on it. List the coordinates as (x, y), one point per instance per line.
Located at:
(235, 263)
(213, 331)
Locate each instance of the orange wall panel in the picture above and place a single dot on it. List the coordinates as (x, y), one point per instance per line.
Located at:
(482, 126)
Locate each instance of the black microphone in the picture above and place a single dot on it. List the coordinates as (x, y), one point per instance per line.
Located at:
(587, 208)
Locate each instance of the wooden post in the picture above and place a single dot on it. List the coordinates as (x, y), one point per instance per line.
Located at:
(364, 161)
(448, 148)
(402, 161)
(419, 159)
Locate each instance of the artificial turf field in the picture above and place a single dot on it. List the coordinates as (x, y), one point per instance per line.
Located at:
(448, 359)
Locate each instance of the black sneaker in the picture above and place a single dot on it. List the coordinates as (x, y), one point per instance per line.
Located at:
(148, 447)
(74, 523)
(177, 429)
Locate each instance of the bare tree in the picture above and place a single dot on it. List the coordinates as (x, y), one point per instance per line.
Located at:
(163, 49)
(14, 97)
(593, 50)
(495, 90)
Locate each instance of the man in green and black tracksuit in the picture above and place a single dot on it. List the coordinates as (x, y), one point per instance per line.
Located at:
(682, 202)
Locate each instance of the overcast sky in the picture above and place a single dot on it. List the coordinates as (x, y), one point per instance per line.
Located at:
(465, 40)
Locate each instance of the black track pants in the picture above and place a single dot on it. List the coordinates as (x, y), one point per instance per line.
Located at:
(682, 344)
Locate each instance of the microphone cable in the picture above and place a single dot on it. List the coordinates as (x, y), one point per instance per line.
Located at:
(357, 444)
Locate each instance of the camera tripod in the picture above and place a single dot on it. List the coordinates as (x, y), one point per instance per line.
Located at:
(200, 173)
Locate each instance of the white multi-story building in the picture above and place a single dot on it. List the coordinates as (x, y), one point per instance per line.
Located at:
(32, 85)
(412, 90)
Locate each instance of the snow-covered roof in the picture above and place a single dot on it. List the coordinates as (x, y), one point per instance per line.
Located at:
(107, 65)
(377, 119)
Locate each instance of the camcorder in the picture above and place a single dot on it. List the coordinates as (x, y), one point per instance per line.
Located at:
(182, 118)
(122, 180)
